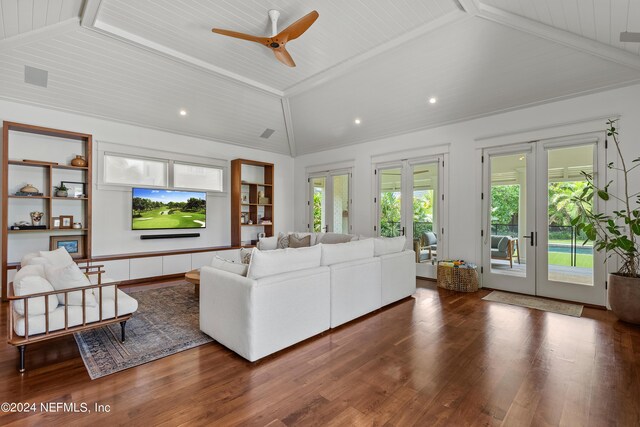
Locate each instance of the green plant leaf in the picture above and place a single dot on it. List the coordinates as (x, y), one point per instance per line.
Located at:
(636, 228)
(603, 195)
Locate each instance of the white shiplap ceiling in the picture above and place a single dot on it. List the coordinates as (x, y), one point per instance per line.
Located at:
(142, 61)
(22, 16)
(601, 20)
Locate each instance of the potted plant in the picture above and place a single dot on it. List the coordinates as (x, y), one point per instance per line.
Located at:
(61, 191)
(617, 234)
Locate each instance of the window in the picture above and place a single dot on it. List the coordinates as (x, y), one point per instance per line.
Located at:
(197, 177)
(120, 169)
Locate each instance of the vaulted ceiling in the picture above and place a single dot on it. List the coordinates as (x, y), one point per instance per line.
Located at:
(143, 61)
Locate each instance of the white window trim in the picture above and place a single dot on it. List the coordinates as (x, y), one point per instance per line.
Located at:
(115, 149)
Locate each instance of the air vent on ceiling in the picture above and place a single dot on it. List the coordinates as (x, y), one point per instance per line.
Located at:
(35, 76)
(267, 133)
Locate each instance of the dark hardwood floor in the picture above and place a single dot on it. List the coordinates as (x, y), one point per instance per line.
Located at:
(443, 358)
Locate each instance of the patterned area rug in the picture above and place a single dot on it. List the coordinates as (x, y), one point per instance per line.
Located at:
(167, 322)
(565, 308)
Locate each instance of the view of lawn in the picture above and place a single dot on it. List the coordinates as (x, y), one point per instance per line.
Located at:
(559, 258)
(168, 218)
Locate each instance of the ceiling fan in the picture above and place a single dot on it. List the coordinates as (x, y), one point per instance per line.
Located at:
(278, 40)
(627, 36)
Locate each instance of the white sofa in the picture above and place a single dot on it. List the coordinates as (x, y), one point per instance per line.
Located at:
(290, 295)
(278, 305)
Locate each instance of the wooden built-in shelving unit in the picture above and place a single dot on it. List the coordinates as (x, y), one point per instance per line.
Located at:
(48, 199)
(251, 208)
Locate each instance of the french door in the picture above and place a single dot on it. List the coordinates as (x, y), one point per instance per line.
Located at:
(529, 244)
(409, 202)
(330, 201)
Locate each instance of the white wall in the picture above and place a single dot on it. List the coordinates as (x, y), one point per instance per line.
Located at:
(112, 232)
(561, 118)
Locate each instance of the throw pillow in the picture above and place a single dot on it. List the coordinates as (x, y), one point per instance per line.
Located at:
(229, 266)
(60, 257)
(33, 284)
(283, 241)
(70, 277)
(245, 255)
(333, 238)
(388, 245)
(299, 242)
(26, 260)
(268, 243)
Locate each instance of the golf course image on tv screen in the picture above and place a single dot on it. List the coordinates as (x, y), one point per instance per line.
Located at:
(155, 209)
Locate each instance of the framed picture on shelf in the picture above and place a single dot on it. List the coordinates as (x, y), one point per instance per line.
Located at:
(75, 189)
(55, 222)
(66, 221)
(73, 244)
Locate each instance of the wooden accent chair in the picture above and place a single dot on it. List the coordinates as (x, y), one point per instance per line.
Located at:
(38, 312)
(504, 247)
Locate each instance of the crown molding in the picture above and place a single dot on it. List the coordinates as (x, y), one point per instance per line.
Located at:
(557, 35)
(132, 39)
(288, 124)
(472, 7)
(90, 12)
(349, 64)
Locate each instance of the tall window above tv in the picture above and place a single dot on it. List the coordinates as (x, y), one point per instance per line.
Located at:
(159, 209)
(125, 170)
(197, 177)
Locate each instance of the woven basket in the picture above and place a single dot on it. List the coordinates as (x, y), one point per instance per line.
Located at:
(458, 279)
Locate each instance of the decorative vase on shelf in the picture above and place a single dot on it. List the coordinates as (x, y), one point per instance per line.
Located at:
(79, 161)
(77, 225)
(28, 189)
(62, 193)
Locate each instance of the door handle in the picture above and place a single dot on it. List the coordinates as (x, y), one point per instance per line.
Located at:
(403, 233)
(530, 237)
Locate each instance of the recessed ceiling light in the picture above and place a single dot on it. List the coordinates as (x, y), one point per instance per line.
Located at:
(357, 121)
(433, 100)
(183, 112)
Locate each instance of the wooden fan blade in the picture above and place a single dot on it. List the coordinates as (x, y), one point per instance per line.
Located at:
(243, 36)
(283, 56)
(298, 28)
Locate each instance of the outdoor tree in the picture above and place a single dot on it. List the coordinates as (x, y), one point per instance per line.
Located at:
(505, 204)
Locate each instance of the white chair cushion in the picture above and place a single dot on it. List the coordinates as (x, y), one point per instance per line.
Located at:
(69, 277)
(388, 245)
(268, 263)
(230, 266)
(37, 324)
(33, 284)
(345, 252)
(60, 257)
(26, 260)
(36, 260)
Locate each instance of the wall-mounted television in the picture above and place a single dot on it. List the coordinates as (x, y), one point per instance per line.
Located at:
(158, 209)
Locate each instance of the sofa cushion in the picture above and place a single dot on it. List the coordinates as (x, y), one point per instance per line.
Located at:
(229, 266)
(269, 263)
(388, 245)
(69, 277)
(245, 255)
(60, 257)
(268, 243)
(296, 241)
(30, 280)
(283, 241)
(345, 252)
(334, 238)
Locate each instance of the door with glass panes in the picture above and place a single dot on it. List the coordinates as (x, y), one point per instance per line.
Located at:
(409, 203)
(330, 202)
(530, 245)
